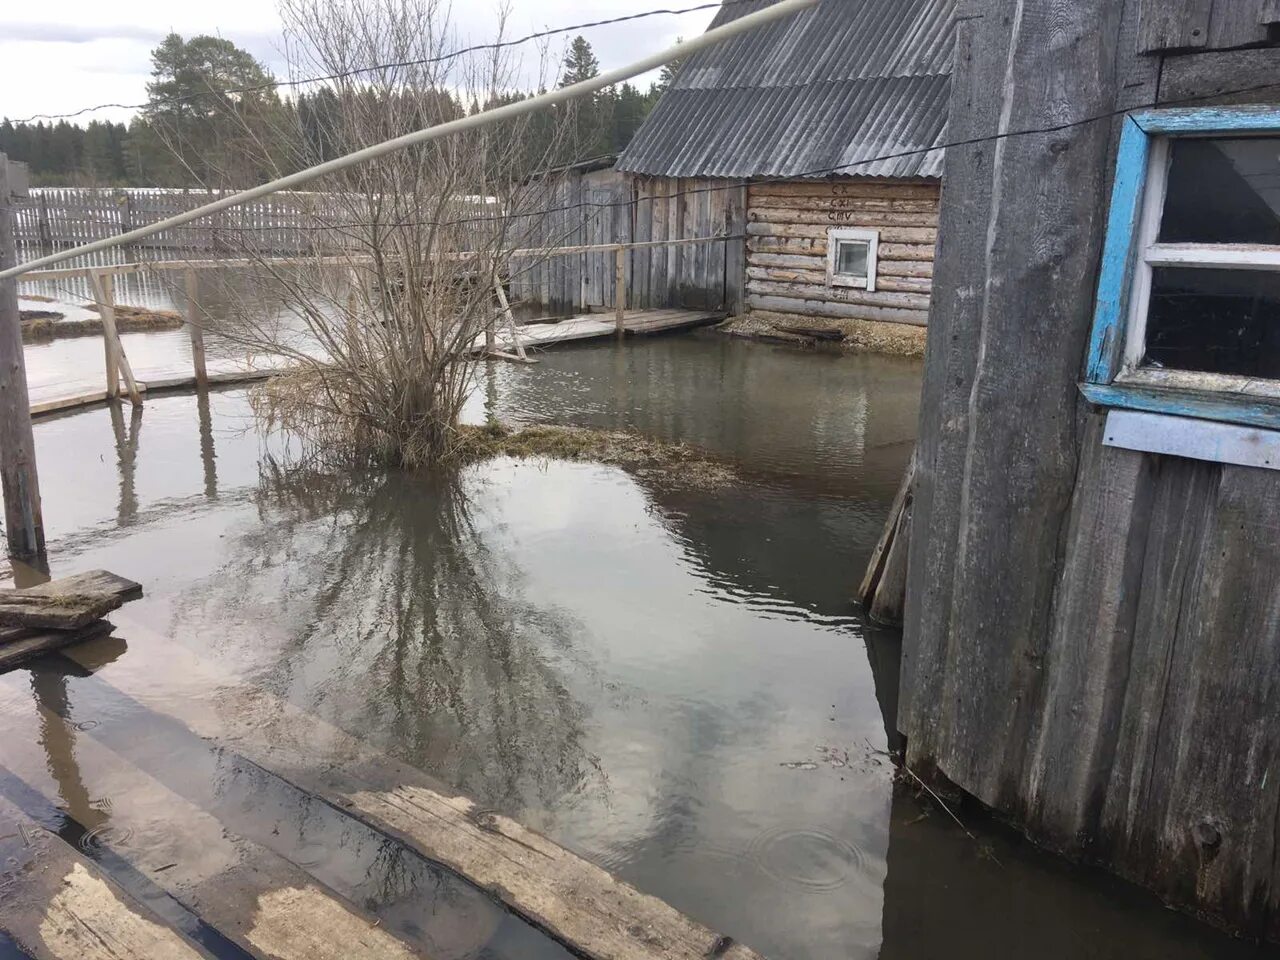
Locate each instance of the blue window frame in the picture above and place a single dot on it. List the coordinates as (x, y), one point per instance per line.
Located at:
(1222, 284)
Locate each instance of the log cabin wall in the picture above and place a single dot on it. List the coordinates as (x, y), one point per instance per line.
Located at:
(788, 225)
(1092, 636)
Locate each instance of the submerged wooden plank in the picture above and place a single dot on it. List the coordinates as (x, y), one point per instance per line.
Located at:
(573, 900)
(18, 645)
(68, 603)
(214, 869)
(61, 907)
(582, 904)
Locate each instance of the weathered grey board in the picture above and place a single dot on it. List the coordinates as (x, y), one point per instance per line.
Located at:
(582, 905)
(18, 645)
(599, 326)
(68, 603)
(59, 906)
(253, 896)
(1204, 24)
(605, 207)
(1092, 633)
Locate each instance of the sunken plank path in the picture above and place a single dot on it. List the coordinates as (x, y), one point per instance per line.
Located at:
(574, 901)
(600, 325)
(68, 910)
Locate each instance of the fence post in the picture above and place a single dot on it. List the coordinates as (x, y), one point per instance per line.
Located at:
(195, 324)
(620, 289)
(124, 207)
(23, 522)
(43, 230)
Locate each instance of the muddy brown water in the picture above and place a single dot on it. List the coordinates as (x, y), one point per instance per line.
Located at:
(667, 678)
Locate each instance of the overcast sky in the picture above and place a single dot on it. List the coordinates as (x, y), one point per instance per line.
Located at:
(61, 55)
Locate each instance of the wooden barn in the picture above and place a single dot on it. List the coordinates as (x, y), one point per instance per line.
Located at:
(809, 144)
(831, 119)
(1092, 635)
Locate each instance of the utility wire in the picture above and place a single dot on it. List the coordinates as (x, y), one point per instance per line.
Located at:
(400, 64)
(736, 184)
(716, 35)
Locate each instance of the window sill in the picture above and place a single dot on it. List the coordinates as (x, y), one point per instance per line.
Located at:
(1216, 384)
(1224, 407)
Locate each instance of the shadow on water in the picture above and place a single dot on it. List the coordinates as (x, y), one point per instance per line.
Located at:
(667, 678)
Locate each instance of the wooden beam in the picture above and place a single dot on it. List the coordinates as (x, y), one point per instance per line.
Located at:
(67, 603)
(620, 290)
(19, 646)
(24, 523)
(195, 324)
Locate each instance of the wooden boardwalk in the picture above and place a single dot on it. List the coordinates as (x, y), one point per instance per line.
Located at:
(246, 896)
(594, 326)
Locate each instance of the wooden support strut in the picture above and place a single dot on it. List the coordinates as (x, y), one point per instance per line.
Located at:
(195, 324)
(620, 288)
(23, 521)
(511, 320)
(103, 287)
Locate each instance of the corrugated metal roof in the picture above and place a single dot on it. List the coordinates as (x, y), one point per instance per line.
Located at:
(836, 86)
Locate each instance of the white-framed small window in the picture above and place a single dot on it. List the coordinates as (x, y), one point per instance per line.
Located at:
(1204, 307)
(851, 257)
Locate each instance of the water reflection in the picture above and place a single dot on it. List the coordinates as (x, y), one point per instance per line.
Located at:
(126, 458)
(391, 612)
(666, 678)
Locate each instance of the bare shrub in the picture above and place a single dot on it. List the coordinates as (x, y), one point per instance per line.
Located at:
(380, 316)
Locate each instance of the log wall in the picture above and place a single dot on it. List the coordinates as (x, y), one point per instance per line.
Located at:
(1092, 635)
(787, 229)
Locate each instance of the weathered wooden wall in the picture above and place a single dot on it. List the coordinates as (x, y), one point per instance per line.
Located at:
(1092, 638)
(787, 232)
(609, 207)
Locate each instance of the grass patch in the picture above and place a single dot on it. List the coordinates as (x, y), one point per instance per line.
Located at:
(641, 455)
(40, 326)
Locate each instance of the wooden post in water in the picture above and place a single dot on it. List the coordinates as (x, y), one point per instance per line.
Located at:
(108, 343)
(620, 289)
(103, 287)
(195, 325)
(23, 522)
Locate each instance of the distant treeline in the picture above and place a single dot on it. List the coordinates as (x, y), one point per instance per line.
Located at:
(191, 135)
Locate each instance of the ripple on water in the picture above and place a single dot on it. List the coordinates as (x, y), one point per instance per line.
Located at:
(809, 859)
(107, 835)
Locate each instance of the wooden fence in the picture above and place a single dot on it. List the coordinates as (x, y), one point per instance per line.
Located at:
(282, 224)
(605, 208)
(598, 210)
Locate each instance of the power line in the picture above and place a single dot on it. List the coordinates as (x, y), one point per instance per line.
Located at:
(551, 98)
(396, 65)
(738, 183)
(780, 178)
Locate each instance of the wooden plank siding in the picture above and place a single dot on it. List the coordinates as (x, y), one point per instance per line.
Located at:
(611, 207)
(786, 249)
(1091, 634)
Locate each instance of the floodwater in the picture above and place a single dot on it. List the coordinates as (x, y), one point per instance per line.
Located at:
(667, 677)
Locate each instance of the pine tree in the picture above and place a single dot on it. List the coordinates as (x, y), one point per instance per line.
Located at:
(668, 74)
(580, 63)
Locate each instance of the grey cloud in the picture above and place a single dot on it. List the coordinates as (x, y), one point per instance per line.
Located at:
(71, 33)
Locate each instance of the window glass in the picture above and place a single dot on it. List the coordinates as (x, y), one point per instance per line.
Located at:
(1215, 321)
(1223, 191)
(851, 257)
